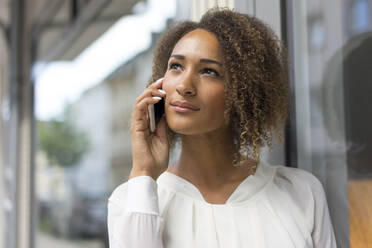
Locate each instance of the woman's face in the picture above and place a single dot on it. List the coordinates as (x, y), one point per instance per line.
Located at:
(195, 74)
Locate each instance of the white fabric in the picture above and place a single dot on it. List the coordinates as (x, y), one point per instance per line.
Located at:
(277, 207)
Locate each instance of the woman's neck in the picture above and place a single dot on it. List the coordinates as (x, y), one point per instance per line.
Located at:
(206, 161)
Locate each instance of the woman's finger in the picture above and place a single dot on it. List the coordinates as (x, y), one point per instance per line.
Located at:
(156, 84)
(140, 120)
(148, 92)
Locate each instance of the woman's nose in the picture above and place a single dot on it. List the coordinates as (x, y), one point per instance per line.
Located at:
(185, 87)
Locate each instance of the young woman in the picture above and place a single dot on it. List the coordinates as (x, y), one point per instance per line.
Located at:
(226, 95)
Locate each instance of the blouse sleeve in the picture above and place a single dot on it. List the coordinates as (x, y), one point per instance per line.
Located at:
(323, 233)
(133, 215)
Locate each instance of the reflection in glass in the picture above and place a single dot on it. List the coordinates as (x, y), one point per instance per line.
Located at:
(332, 61)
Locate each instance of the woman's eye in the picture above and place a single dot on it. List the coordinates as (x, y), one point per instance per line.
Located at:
(211, 71)
(174, 66)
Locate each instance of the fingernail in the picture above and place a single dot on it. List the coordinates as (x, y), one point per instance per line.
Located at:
(156, 97)
(159, 79)
(162, 91)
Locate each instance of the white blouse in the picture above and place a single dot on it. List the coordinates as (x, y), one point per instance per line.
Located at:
(278, 206)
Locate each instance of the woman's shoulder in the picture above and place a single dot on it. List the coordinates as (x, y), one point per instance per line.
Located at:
(296, 178)
(299, 187)
(302, 187)
(298, 193)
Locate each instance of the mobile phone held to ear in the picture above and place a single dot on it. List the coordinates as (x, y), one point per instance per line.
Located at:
(156, 111)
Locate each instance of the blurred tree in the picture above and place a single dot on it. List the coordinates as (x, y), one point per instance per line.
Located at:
(62, 143)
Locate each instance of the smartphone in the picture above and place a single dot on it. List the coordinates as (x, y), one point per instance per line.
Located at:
(156, 111)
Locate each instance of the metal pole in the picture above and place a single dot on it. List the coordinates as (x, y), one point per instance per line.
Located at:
(11, 165)
(290, 128)
(18, 167)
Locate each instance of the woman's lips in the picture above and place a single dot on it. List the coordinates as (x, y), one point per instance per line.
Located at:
(184, 104)
(182, 109)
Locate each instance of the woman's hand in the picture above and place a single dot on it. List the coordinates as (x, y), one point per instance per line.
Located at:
(150, 151)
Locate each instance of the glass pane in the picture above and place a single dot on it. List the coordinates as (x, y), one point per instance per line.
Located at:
(84, 99)
(332, 77)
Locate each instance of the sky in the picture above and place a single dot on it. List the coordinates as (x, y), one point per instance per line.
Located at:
(61, 82)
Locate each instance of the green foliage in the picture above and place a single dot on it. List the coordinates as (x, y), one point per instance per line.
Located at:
(61, 142)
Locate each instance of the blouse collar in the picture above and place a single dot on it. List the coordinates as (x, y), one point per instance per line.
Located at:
(250, 186)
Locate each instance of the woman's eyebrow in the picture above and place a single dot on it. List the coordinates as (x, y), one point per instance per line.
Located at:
(203, 60)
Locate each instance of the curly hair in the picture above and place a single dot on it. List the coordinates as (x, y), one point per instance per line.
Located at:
(256, 84)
